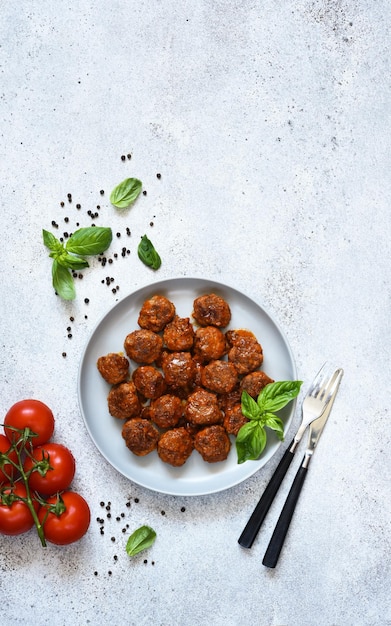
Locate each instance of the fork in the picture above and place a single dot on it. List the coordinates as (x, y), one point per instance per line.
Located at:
(314, 404)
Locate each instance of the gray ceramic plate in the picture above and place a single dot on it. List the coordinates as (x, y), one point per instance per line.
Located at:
(195, 477)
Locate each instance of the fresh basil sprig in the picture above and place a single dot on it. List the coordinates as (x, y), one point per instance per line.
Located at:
(251, 438)
(83, 242)
(147, 253)
(124, 194)
(141, 539)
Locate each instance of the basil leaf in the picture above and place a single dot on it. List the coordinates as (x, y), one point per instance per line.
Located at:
(51, 242)
(72, 262)
(275, 396)
(63, 281)
(275, 423)
(250, 408)
(147, 253)
(141, 539)
(89, 241)
(124, 194)
(250, 442)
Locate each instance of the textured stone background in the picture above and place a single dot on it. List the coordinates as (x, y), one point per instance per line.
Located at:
(269, 124)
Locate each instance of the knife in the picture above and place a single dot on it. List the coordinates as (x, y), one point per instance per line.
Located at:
(277, 541)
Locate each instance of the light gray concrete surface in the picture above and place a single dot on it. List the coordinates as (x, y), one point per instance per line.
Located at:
(269, 124)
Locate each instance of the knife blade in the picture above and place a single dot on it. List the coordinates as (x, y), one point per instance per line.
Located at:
(277, 540)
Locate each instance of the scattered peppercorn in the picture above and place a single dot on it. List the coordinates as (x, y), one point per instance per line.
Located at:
(86, 300)
(62, 203)
(64, 354)
(144, 192)
(158, 176)
(123, 157)
(78, 206)
(129, 156)
(69, 196)
(101, 192)
(183, 509)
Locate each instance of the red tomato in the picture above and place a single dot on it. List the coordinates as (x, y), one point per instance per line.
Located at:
(63, 465)
(16, 518)
(70, 525)
(32, 414)
(6, 469)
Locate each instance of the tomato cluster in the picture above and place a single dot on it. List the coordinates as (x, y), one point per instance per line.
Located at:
(35, 476)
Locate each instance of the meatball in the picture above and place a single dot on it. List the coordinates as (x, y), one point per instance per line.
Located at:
(179, 369)
(166, 411)
(219, 376)
(202, 408)
(149, 381)
(156, 313)
(209, 343)
(254, 382)
(143, 346)
(178, 335)
(227, 400)
(245, 351)
(123, 401)
(212, 443)
(234, 419)
(113, 368)
(141, 436)
(211, 310)
(175, 446)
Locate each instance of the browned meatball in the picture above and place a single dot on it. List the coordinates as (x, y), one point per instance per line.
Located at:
(254, 382)
(219, 376)
(156, 313)
(149, 381)
(209, 343)
(141, 436)
(166, 411)
(113, 367)
(179, 369)
(212, 443)
(234, 419)
(143, 346)
(211, 310)
(175, 446)
(227, 400)
(178, 335)
(246, 352)
(123, 401)
(202, 408)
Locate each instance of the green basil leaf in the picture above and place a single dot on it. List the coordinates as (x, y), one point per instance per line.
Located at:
(63, 281)
(90, 240)
(147, 253)
(72, 262)
(250, 442)
(141, 539)
(275, 423)
(275, 396)
(250, 408)
(51, 242)
(124, 194)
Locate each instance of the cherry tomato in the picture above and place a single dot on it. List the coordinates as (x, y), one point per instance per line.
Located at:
(6, 469)
(70, 525)
(32, 414)
(16, 518)
(62, 462)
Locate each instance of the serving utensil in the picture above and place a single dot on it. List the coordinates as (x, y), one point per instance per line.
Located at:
(316, 428)
(319, 395)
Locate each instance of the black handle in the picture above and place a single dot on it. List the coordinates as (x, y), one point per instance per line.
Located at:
(277, 541)
(253, 525)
